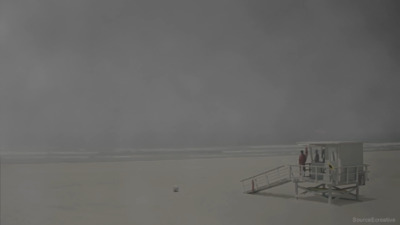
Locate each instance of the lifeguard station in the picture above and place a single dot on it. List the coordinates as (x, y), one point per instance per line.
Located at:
(334, 170)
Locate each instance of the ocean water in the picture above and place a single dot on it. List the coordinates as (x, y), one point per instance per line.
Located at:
(81, 155)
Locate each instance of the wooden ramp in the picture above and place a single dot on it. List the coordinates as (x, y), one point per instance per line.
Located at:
(268, 186)
(266, 180)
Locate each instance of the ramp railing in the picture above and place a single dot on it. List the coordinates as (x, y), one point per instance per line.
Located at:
(266, 179)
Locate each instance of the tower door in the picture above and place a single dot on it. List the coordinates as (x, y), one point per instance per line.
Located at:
(332, 156)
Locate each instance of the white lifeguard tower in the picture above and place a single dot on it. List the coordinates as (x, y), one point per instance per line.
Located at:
(332, 169)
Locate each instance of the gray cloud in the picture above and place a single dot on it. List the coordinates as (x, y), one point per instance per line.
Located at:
(197, 73)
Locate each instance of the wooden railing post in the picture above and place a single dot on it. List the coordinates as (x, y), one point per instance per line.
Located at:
(357, 174)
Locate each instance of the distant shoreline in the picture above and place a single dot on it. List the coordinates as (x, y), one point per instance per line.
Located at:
(167, 154)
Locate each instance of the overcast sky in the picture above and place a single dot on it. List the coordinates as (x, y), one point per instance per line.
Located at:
(182, 73)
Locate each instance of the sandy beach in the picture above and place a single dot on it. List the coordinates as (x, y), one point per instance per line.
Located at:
(141, 192)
